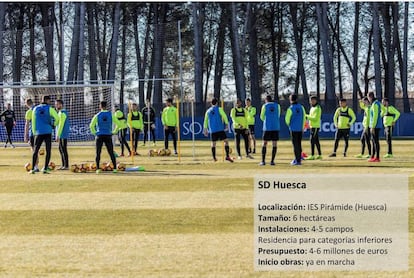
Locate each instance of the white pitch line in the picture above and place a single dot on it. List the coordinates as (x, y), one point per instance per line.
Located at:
(125, 200)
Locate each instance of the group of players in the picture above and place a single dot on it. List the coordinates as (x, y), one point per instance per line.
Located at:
(376, 116)
(43, 118)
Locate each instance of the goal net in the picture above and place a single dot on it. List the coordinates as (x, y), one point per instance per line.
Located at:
(81, 102)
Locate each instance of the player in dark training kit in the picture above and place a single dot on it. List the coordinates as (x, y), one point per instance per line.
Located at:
(9, 121)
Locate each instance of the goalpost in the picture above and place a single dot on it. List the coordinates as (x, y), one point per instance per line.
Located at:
(81, 102)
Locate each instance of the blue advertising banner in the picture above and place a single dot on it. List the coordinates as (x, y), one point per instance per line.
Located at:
(79, 129)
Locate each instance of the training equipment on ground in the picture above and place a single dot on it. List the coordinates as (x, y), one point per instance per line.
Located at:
(74, 168)
(41, 152)
(92, 166)
(121, 166)
(28, 166)
(161, 152)
(109, 166)
(135, 169)
(52, 165)
(152, 152)
(167, 152)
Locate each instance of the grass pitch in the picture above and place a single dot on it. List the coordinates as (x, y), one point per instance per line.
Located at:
(192, 218)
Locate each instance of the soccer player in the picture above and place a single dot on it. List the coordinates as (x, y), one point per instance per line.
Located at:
(28, 134)
(148, 113)
(343, 119)
(169, 121)
(251, 117)
(295, 120)
(216, 123)
(366, 133)
(122, 131)
(44, 118)
(270, 115)
(389, 115)
(314, 117)
(135, 121)
(375, 126)
(9, 121)
(62, 133)
(101, 127)
(239, 116)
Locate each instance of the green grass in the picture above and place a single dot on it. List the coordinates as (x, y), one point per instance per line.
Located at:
(113, 225)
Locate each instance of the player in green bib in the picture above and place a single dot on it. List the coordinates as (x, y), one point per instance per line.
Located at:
(238, 115)
(366, 133)
(251, 118)
(314, 117)
(169, 121)
(389, 115)
(122, 131)
(135, 120)
(344, 118)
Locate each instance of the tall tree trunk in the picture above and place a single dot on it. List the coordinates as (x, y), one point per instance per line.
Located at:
(219, 63)
(390, 51)
(405, 59)
(3, 6)
(101, 43)
(368, 61)
(255, 91)
(160, 11)
(276, 44)
(198, 14)
(31, 17)
(142, 60)
(237, 55)
(61, 44)
(123, 55)
(47, 11)
(341, 90)
(377, 57)
(298, 36)
(330, 96)
(318, 65)
(80, 76)
(355, 59)
(114, 42)
(74, 49)
(93, 73)
(17, 69)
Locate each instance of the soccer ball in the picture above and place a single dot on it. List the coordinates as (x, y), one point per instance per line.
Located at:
(28, 166)
(121, 166)
(152, 152)
(167, 152)
(109, 166)
(161, 152)
(92, 166)
(41, 152)
(83, 168)
(52, 165)
(74, 168)
(102, 166)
